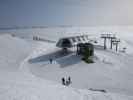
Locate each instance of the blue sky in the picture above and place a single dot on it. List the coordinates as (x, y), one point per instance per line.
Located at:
(66, 12)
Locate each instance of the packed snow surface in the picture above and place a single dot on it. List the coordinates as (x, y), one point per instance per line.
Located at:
(26, 74)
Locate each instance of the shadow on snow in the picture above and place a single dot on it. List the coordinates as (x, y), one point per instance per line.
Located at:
(63, 59)
(68, 60)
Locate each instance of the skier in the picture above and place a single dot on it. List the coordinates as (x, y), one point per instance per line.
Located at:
(63, 81)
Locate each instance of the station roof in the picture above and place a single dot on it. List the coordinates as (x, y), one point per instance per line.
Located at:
(69, 42)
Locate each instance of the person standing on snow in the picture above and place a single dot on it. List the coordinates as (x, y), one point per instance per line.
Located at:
(63, 81)
(50, 60)
(69, 80)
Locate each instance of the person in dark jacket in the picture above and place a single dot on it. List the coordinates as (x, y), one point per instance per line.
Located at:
(69, 79)
(63, 81)
(50, 60)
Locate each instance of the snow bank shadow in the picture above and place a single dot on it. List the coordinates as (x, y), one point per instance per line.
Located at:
(54, 55)
(69, 60)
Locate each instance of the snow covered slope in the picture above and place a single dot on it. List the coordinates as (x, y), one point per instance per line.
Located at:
(12, 52)
(15, 84)
(111, 71)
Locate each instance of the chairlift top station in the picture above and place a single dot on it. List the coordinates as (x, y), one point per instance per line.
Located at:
(68, 42)
(81, 42)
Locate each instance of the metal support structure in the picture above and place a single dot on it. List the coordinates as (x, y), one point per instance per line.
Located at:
(117, 46)
(108, 36)
(116, 42)
(111, 45)
(111, 42)
(105, 39)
